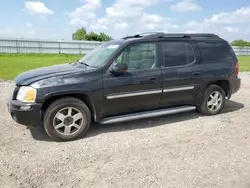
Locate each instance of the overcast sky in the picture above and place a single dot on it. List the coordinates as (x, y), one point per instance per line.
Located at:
(57, 19)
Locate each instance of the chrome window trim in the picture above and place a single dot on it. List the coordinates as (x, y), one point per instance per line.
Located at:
(133, 94)
(178, 89)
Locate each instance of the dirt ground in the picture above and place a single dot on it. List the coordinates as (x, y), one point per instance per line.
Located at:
(185, 150)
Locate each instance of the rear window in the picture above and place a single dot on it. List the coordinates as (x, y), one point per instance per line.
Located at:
(177, 53)
(215, 52)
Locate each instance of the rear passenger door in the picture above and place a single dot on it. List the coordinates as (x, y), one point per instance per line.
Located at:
(181, 73)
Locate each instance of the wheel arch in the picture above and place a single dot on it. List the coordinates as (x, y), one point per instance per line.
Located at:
(224, 84)
(81, 96)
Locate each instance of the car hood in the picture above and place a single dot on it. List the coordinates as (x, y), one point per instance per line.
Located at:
(31, 76)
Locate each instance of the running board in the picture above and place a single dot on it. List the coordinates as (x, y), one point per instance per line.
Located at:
(147, 114)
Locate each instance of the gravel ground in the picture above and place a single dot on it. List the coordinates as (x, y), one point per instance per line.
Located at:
(185, 150)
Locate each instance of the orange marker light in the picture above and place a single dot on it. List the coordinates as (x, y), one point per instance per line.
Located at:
(30, 95)
(237, 69)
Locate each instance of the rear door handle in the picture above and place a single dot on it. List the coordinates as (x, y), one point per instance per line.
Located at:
(196, 73)
(152, 78)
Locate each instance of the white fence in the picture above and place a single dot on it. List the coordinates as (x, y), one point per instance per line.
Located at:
(14, 45)
(11, 45)
(241, 51)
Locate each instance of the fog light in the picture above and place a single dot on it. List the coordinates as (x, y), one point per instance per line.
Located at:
(25, 107)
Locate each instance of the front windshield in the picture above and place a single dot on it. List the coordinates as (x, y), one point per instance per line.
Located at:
(100, 54)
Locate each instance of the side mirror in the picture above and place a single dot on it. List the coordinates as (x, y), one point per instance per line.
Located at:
(119, 68)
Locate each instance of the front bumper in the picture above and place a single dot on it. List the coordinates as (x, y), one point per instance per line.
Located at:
(25, 114)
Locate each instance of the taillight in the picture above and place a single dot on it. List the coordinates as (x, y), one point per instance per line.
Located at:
(237, 68)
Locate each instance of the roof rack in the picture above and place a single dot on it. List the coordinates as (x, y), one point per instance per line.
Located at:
(191, 35)
(172, 35)
(143, 35)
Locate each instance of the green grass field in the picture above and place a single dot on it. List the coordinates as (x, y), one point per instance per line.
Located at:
(13, 64)
(244, 63)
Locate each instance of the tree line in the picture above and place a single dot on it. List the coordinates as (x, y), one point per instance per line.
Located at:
(82, 34)
(241, 43)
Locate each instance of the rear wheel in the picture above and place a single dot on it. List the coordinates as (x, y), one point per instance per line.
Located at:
(213, 100)
(67, 119)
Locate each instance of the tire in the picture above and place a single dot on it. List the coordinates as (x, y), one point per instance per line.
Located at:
(206, 107)
(67, 119)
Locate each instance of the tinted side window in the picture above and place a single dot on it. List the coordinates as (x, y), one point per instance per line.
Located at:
(190, 53)
(140, 56)
(177, 53)
(215, 52)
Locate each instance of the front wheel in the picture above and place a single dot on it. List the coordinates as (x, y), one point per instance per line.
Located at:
(67, 119)
(213, 100)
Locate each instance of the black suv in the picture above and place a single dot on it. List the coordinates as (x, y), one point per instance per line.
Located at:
(139, 76)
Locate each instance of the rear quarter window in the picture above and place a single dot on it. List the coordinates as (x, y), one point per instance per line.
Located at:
(215, 52)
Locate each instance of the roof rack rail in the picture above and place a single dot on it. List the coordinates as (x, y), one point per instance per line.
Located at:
(203, 35)
(191, 35)
(151, 33)
(171, 35)
(146, 34)
(130, 37)
(174, 36)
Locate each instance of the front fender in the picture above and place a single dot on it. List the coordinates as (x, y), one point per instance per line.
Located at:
(85, 97)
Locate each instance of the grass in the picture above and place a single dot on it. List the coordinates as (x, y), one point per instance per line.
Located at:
(244, 63)
(13, 64)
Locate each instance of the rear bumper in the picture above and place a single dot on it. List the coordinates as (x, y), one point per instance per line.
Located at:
(25, 114)
(234, 86)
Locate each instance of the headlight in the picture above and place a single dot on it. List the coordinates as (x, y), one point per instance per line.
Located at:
(26, 94)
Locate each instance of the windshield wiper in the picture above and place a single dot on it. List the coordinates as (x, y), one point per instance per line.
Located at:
(87, 65)
(82, 63)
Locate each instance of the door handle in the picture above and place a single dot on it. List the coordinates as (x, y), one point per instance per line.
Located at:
(196, 73)
(149, 81)
(152, 78)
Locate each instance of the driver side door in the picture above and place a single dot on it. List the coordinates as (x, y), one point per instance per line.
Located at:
(137, 89)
